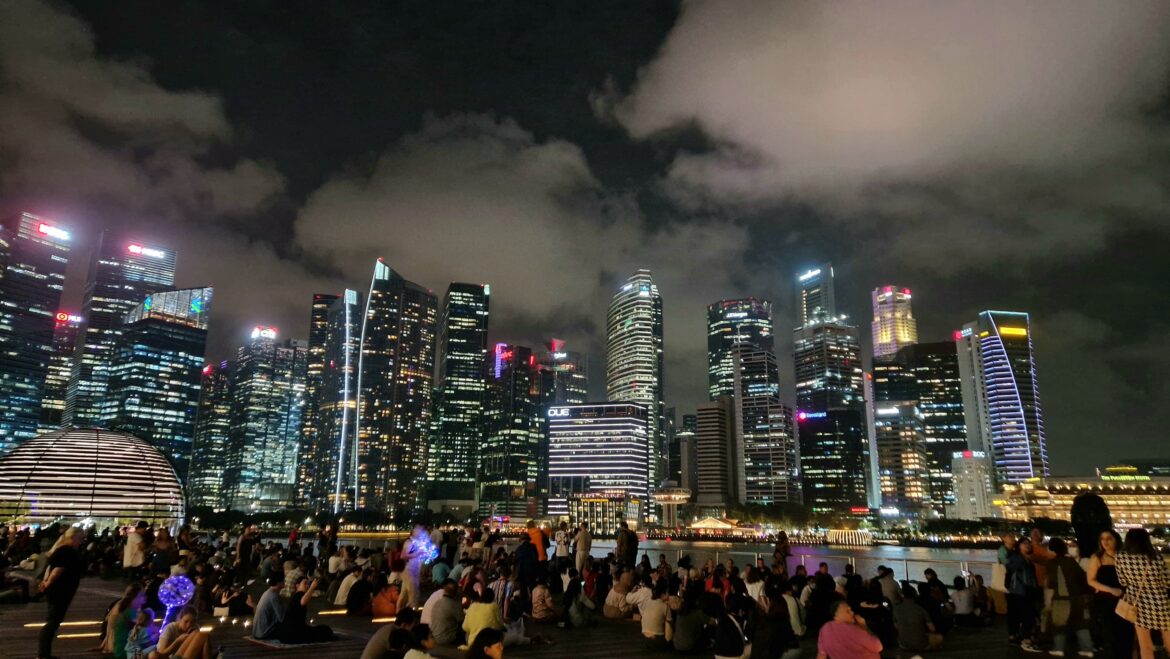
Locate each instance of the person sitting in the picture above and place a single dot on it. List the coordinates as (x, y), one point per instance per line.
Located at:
(916, 631)
(269, 611)
(294, 626)
(182, 638)
(963, 599)
(357, 600)
(579, 608)
(385, 603)
(543, 608)
(355, 575)
(143, 637)
(654, 611)
(392, 640)
(845, 635)
(446, 615)
(421, 642)
(616, 607)
(690, 625)
(933, 598)
(488, 645)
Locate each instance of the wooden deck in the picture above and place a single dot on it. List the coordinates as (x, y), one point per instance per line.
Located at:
(19, 625)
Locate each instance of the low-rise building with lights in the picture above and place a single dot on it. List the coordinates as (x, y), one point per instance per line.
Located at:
(1132, 497)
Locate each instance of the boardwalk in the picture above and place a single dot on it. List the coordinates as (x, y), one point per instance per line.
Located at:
(19, 627)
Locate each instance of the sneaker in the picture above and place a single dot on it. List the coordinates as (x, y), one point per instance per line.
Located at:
(1028, 646)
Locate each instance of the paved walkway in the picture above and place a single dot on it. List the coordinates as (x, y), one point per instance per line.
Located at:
(19, 625)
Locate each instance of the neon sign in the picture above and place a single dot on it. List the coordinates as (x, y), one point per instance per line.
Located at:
(558, 412)
(559, 355)
(63, 317)
(146, 251)
(52, 231)
(886, 411)
(809, 275)
(263, 332)
(811, 415)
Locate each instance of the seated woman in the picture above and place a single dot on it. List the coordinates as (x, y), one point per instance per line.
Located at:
(182, 639)
(143, 636)
(294, 627)
(543, 608)
(385, 603)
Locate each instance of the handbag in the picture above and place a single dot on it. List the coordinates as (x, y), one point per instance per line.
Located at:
(1126, 610)
(998, 578)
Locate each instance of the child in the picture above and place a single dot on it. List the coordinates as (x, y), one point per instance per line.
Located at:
(143, 636)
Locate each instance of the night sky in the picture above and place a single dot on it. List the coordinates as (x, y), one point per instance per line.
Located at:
(987, 155)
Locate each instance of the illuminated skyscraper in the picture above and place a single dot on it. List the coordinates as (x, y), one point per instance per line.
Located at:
(33, 256)
(564, 375)
(310, 488)
(333, 444)
(205, 479)
(595, 448)
(834, 460)
(634, 356)
(268, 393)
(815, 298)
(509, 460)
(731, 323)
(122, 272)
(396, 377)
(893, 323)
(156, 368)
(900, 443)
(60, 369)
(766, 449)
(827, 355)
(1001, 397)
(718, 484)
(457, 427)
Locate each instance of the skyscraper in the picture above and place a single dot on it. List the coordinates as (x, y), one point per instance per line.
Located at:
(33, 255)
(396, 377)
(893, 323)
(718, 483)
(333, 444)
(815, 298)
(596, 447)
(310, 488)
(1001, 397)
(974, 486)
(634, 356)
(834, 460)
(268, 392)
(564, 375)
(766, 452)
(205, 479)
(509, 460)
(935, 369)
(827, 356)
(457, 425)
(731, 323)
(122, 272)
(155, 371)
(60, 369)
(900, 443)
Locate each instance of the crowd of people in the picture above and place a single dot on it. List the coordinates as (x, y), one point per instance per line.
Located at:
(1061, 602)
(475, 591)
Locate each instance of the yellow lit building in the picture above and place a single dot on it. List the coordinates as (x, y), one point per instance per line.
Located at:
(1132, 497)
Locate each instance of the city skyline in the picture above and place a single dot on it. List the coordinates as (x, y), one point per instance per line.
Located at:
(553, 166)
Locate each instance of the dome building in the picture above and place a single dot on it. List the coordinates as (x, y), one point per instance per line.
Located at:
(93, 475)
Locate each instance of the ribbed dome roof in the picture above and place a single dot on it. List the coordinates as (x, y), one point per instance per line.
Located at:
(74, 474)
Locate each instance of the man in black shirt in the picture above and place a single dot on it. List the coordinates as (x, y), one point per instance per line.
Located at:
(62, 577)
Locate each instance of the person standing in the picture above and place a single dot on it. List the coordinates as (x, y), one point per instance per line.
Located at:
(1115, 632)
(583, 545)
(1143, 574)
(62, 578)
(134, 552)
(413, 552)
(561, 537)
(1065, 595)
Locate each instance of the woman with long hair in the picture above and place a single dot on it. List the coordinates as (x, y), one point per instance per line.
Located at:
(62, 577)
(1113, 632)
(488, 644)
(121, 618)
(1143, 574)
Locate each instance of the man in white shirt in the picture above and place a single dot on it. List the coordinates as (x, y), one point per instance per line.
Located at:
(653, 607)
(561, 537)
(134, 554)
(347, 583)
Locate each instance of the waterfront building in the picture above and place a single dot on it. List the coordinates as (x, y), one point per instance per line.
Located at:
(597, 447)
(900, 445)
(767, 470)
(332, 443)
(205, 477)
(1001, 396)
(155, 371)
(893, 323)
(65, 334)
(123, 270)
(733, 323)
(34, 253)
(717, 452)
(457, 426)
(396, 377)
(669, 499)
(974, 486)
(268, 392)
(309, 489)
(834, 461)
(827, 357)
(1133, 498)
(634, 357)
(509, 458)
(815, 297)
(114, 479)
(935, 367)
(605, 511)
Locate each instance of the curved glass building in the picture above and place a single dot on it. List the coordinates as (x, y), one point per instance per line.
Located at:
(93, 475)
